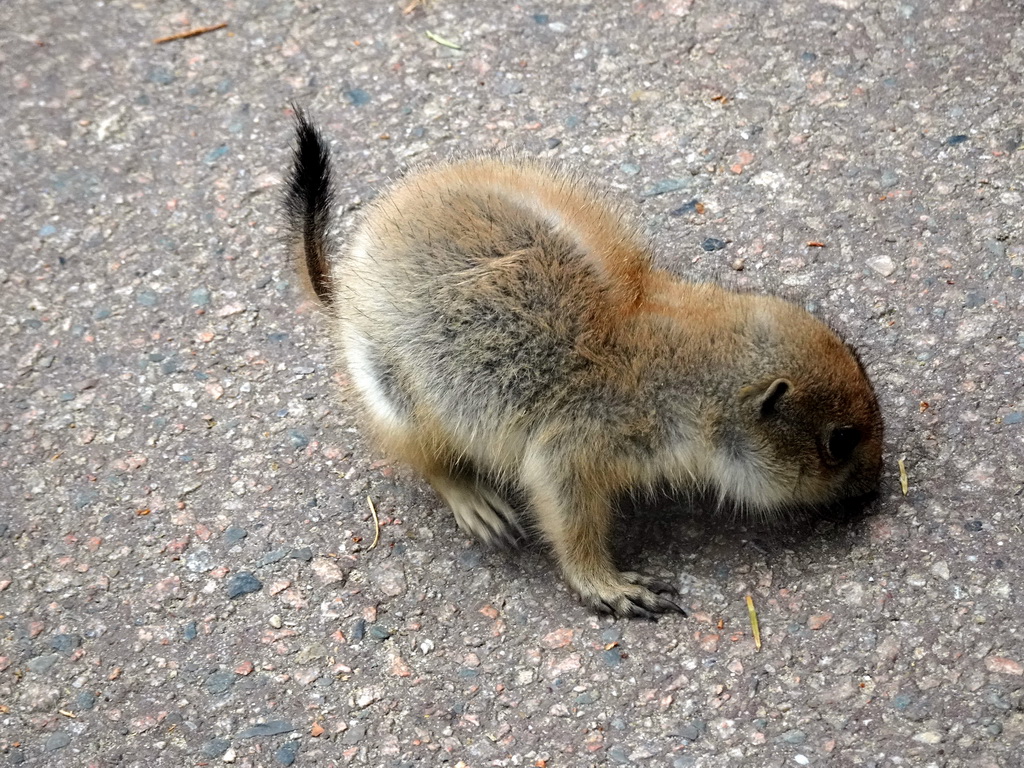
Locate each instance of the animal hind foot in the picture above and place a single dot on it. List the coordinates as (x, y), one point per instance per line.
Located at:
(480, 511)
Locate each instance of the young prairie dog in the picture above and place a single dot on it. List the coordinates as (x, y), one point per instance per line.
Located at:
(504, 328)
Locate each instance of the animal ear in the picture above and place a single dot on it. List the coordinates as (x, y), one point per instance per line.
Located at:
(768, 400)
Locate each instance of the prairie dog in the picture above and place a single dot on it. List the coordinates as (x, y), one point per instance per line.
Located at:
(504, 327)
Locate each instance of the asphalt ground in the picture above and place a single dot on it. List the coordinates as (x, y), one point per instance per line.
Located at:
(186, 569)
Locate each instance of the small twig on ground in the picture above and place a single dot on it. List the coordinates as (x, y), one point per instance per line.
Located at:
(376, 522)
(190, 33)
(904, 480)
(753, 622)
(442, 41)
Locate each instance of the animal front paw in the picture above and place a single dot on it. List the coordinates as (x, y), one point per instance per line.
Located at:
(630, 595)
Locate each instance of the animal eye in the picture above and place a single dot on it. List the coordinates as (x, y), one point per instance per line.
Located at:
(842, 442)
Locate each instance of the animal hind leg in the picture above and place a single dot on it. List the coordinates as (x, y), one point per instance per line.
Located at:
(480, 508)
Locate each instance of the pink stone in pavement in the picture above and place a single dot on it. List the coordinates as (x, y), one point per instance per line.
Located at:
(167, 587)
(278, 585)
(294, 599)
(819, 620)
(1003, 666)
(399, 668)
(558, 639)
(327, 571)
(177, 546)
(558, 667)
(709, 642)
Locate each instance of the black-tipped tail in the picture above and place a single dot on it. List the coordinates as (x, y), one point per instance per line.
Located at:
(309, 203)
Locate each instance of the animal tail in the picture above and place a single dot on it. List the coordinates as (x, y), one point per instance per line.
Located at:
(309, 205)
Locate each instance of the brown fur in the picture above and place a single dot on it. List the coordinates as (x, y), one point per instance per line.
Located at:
(504, 327)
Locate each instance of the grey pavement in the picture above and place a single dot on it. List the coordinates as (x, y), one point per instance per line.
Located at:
(186, 570)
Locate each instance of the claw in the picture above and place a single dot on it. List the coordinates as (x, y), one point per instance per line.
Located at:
(502, 538)
(668, 605)
(655, 585)
(480, 512)
(631, 599)
(662, 587)
(637, 612)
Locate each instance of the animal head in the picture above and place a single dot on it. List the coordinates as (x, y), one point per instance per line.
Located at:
(804, 429)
